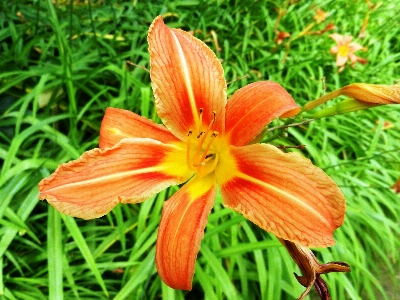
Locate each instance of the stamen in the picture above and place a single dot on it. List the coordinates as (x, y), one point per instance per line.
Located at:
(199, 145)
(201, 158)
(209, 126)
(188, 151)
(200, 117)
(214, 134)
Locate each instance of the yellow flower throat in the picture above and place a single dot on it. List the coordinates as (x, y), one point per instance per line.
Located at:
(344, 50)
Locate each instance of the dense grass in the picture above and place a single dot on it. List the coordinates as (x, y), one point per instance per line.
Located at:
(62, 64)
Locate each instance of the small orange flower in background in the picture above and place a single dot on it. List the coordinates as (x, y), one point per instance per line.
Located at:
(345, 50)
(396, 187)
(386, 125)
(280, 36)
(205, 143)
(320, 15)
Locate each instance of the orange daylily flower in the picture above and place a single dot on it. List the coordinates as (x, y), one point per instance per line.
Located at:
(280, 36)
(203, 143)
(345, 49)
(320, 15)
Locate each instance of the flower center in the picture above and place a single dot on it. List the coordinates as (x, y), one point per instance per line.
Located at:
(343, 50)
(201, 156)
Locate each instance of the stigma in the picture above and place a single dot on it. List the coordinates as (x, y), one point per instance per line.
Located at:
(201, 155)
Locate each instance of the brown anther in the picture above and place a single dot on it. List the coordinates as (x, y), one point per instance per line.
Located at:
(201, 133)
(200, 117)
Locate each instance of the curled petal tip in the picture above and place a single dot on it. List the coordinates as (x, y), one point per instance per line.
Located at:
(312, 269)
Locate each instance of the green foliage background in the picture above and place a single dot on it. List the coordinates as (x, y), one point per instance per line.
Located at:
(73, 55)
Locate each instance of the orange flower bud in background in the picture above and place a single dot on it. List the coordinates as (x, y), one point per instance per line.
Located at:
(363, 96)
(373, 93)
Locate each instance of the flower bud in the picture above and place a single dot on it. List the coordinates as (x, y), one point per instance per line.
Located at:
(373, 93)
(363, 96)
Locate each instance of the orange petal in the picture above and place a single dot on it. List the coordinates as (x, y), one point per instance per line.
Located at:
(253, 107)
(119, 124)
(355, 47)
(284, 194)
(347, 39)
(130, 172)
(338, 38)
(334, 49)
(181, 230)
(341, 60)
(186, 76)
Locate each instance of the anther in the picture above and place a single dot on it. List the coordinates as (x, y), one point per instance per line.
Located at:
(200, 117)
(214, 116)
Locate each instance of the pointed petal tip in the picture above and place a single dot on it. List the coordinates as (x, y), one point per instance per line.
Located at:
(158, 21)
(185, 76)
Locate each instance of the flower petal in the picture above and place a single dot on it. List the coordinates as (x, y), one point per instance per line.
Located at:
(334, 49)
(119, 124)
(282, 193)
(186, 76)
(181, 230)
(353, 47)
(338, 38)
(341, 60)
(347, 39)
(130, 172)
(253, 107)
